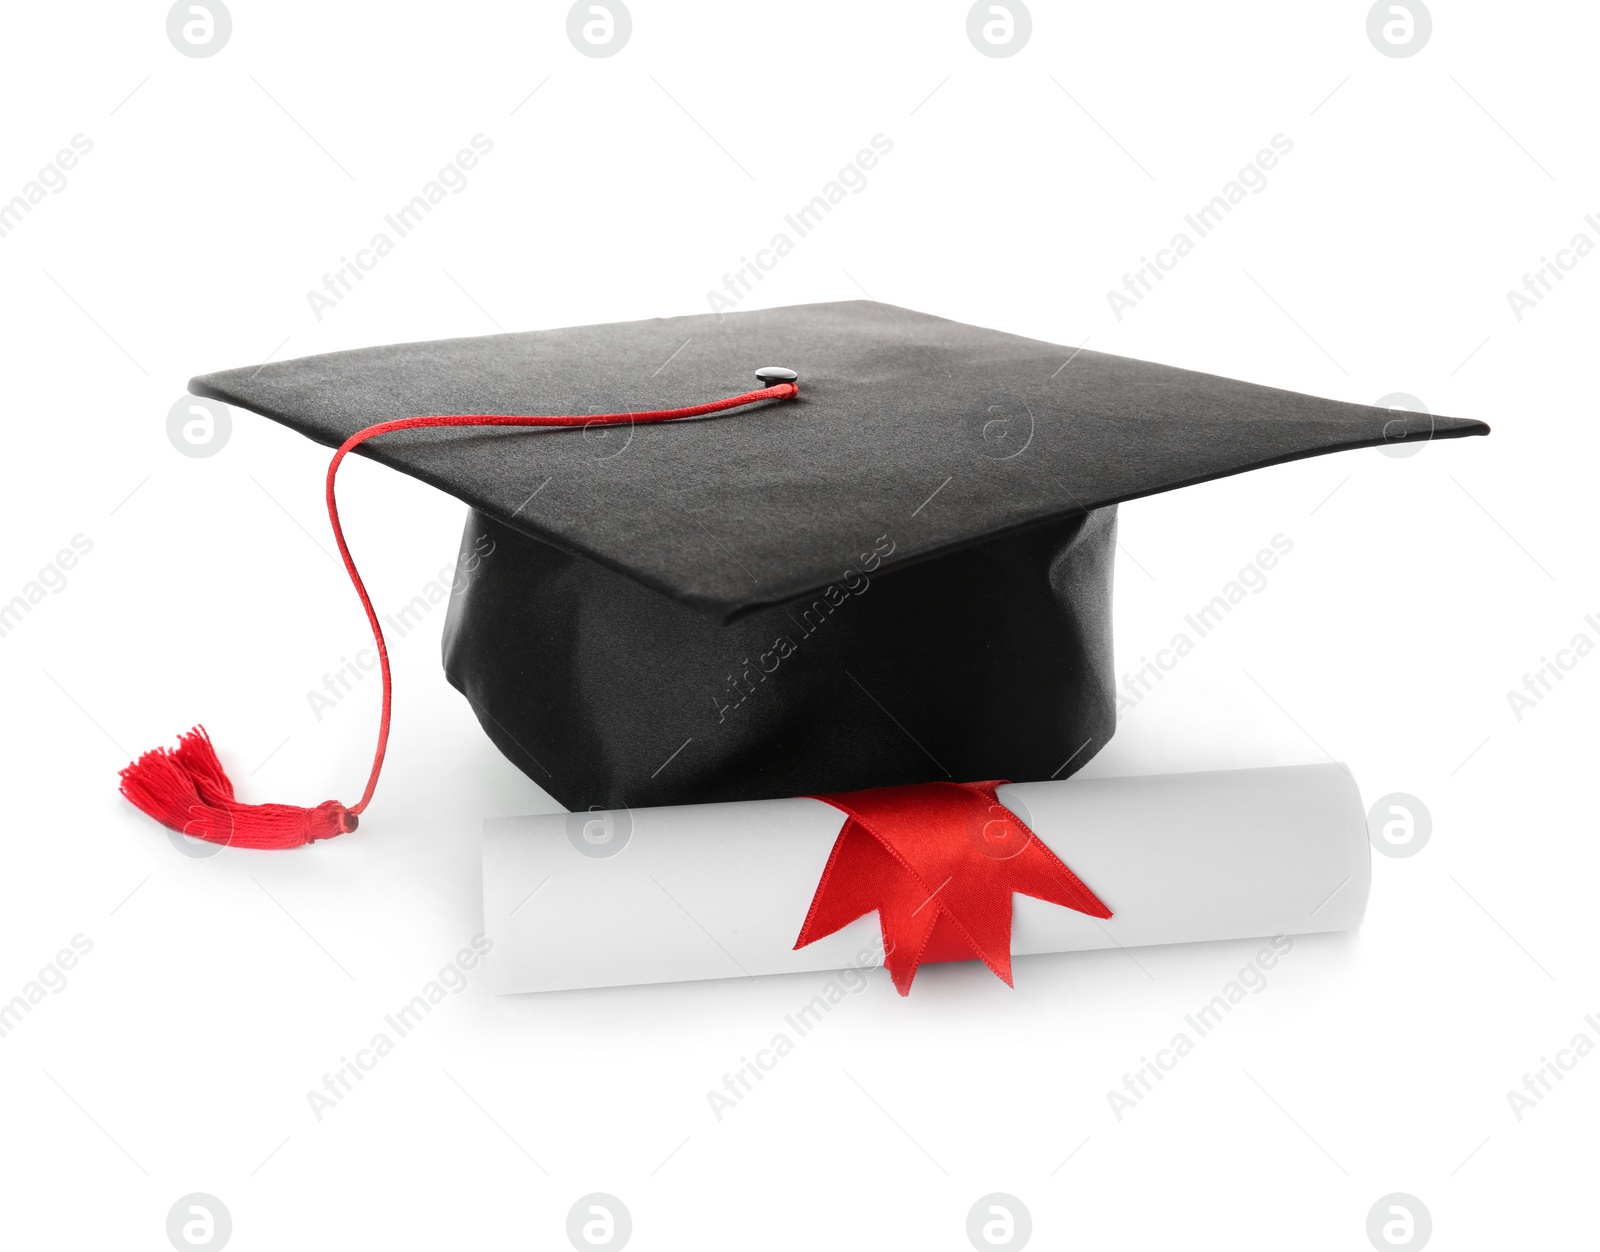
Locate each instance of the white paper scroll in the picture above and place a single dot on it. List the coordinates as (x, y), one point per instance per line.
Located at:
(720, 890)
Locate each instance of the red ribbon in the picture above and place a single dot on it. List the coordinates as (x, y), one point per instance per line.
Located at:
(939, 862)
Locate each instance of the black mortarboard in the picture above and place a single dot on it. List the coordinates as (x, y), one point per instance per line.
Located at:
(904, 574)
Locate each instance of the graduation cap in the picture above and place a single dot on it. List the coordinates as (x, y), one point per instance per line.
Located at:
(889, 563)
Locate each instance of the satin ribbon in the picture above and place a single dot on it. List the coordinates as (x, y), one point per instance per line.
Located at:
(938, 862)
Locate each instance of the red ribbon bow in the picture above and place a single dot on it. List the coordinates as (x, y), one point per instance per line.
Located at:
(938, 861)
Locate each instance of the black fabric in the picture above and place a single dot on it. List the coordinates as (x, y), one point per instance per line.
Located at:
(903, 575)
(761, 505)
(994, 662)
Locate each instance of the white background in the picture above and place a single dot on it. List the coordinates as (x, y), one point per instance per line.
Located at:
(1420, 589)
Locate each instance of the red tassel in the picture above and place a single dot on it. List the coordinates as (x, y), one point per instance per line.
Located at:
(186, 790)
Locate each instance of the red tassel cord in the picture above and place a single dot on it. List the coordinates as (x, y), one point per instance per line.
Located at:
(186, 789)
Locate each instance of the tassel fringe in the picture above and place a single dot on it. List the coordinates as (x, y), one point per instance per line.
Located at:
(186, 790)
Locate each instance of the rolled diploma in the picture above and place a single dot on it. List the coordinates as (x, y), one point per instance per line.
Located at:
(721, 890)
